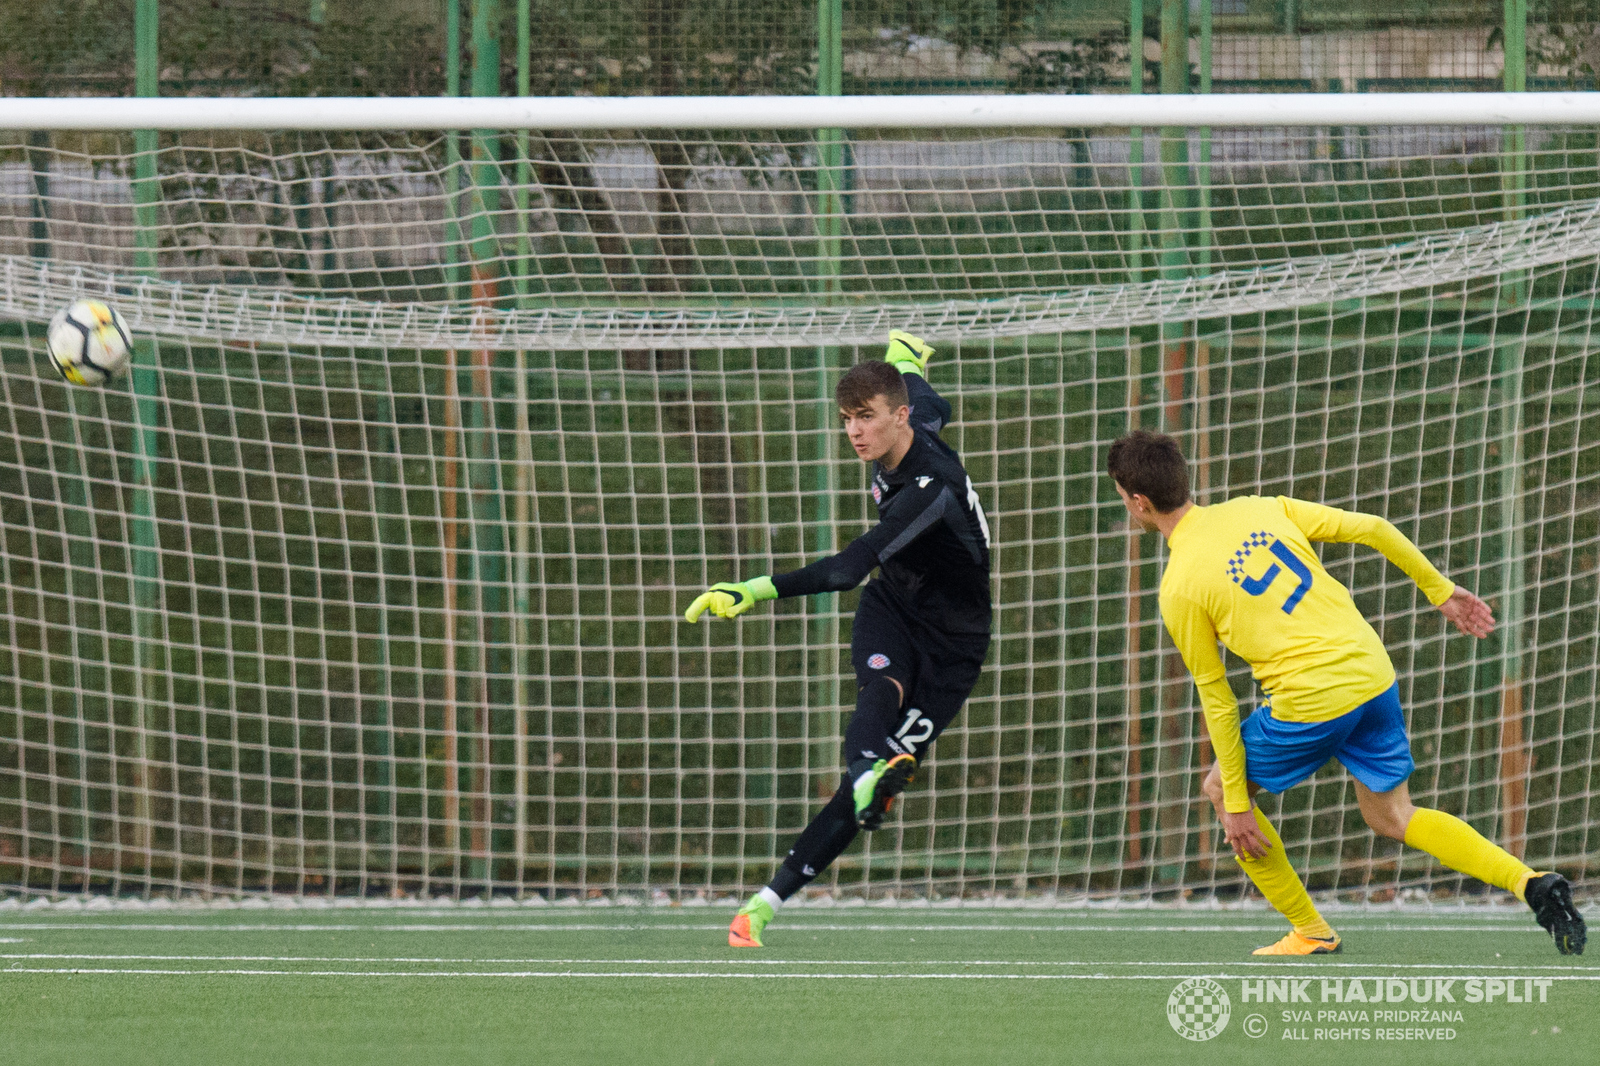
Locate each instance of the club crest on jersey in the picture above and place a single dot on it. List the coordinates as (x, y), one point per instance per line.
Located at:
(880, 487)
(878, 661)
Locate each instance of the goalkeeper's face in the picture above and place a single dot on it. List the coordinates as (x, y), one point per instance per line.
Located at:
(878, 431)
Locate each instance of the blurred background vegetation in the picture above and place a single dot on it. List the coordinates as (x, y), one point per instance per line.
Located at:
(665, 47)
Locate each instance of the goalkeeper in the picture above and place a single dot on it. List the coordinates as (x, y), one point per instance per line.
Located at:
(1244, 572)
(922, 627)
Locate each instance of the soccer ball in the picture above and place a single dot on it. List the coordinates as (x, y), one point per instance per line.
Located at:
(89, 342)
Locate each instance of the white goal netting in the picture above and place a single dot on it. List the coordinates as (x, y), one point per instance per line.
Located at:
(369, 579)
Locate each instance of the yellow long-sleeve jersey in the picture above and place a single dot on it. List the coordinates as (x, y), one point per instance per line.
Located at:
(1244, 572)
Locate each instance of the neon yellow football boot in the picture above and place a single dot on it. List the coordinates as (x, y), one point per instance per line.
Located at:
(876, 789)
(745, 932)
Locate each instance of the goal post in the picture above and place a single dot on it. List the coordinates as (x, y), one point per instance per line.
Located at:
(370, 581)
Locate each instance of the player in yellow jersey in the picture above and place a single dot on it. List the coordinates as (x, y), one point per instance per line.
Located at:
(1244, 573)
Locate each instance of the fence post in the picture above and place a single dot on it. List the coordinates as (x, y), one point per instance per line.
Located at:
(495, 704)
(830, 246)
(1173, 779)
(522, 511)
(1136, 145)
(451, 256)
(1203, 169)
(1509, 359)
(146, 443)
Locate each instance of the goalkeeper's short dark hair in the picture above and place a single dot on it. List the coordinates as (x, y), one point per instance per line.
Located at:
(865, 380)
(1150, 465)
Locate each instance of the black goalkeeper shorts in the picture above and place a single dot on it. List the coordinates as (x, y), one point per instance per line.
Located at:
(937, 671)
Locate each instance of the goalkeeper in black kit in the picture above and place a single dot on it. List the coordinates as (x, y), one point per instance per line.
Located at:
(922, 627)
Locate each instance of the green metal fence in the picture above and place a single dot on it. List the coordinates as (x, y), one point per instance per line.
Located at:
(379, 799)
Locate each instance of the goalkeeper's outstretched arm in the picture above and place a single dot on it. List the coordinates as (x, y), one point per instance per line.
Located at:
(836, 573)
(914, 511)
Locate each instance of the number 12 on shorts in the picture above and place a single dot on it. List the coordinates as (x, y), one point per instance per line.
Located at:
(923, 726)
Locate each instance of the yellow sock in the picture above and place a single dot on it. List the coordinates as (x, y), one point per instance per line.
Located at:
(1281, 886)
(1461, 847)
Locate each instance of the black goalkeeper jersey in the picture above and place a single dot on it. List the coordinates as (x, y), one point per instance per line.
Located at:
(931, 543)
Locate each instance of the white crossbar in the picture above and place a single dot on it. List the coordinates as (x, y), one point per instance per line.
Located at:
(799, 112)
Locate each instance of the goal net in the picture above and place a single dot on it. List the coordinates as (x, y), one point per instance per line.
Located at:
(368, 580)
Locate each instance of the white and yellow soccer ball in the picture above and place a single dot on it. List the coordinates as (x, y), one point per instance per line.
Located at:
(89, 342)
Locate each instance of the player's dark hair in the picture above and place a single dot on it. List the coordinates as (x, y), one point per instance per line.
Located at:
(1150, 465)
(864, 381)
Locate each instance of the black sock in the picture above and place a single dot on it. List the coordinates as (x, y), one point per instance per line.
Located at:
(787, 881)
(876, 717)
(834, 827)
(829, 833)
(857, 768)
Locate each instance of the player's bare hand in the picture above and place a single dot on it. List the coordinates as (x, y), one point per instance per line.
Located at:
(1245, 836)
(1470, 614)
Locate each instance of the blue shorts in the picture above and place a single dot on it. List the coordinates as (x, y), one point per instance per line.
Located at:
(1370, 741)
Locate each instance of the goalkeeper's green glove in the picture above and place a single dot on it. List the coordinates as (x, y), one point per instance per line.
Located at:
(907, 354)
(730, 599)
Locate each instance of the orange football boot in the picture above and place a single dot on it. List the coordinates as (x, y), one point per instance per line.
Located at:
(745, 932)
(1296, 944)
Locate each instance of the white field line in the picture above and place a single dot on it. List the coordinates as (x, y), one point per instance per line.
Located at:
(1506, 910)
(669, 975)
(798, 926)
(1019, 964)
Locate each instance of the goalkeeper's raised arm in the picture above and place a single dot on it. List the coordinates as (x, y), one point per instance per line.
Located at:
(922, 627)
(888, 409)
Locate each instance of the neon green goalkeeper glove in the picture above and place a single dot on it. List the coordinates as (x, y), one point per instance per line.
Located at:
(907, 354)
(730, 599)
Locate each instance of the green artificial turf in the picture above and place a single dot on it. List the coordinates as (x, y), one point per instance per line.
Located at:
(570, 985)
